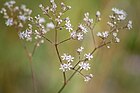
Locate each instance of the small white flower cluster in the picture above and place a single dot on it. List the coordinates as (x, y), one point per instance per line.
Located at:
(116, 18)
(52, 9)
(65, 7)
(15, 15)
(75, 35)
(87, 20)
(79, 33)
(68, 25)
(39, 31)
(103, 34)
(119, 14)
(83, 65)
(66, 66)
(27, 34)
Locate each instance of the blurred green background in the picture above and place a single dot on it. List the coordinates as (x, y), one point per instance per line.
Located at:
(116, 70)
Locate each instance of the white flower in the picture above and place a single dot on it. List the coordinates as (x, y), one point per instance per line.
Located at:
(51, 1)
(3, 10)
(108, 46)
(110, 24)
(54, 6)
(26, 35)
(98, 14)
(88, 56)
(21, 35)
(80, 36)
(83, 28)
(129, 25)
(10, 3)
(9, 22)
(68, 58)
(68, 24)
(20, 25)
(99, 34)
(73, 34)
(112, 17)
(65, 67)
(117, 39)
(84, 65)
(50, 25)
(58, 20)
(121, 17)
(119, 12)
(41, 20)
(87, 19)
(103, 34)
(88, 77)
(114, 34)
(22, 17)
(37, 34)
(41, 6)
(79, 50)
(64, 56)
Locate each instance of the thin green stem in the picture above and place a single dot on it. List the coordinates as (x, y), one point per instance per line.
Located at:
(29, 55)
(58, 54)
(48, 40)
(64, 41)
(91, 29)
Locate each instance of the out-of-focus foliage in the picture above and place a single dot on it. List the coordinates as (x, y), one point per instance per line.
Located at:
(117, 70)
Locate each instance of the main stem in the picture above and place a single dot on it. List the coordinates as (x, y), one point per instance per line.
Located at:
(58, 54)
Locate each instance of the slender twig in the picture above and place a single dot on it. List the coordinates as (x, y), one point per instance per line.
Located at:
(29, 55)
(34, 49)
(102, 45)
(91, 30)
(79, 72)
(78, 61)
(76, 64)
(47, 39)
(57, 51)
(64, 41)
(93, 37)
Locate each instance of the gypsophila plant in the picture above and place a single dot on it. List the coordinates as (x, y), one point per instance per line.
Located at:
(19, 16)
